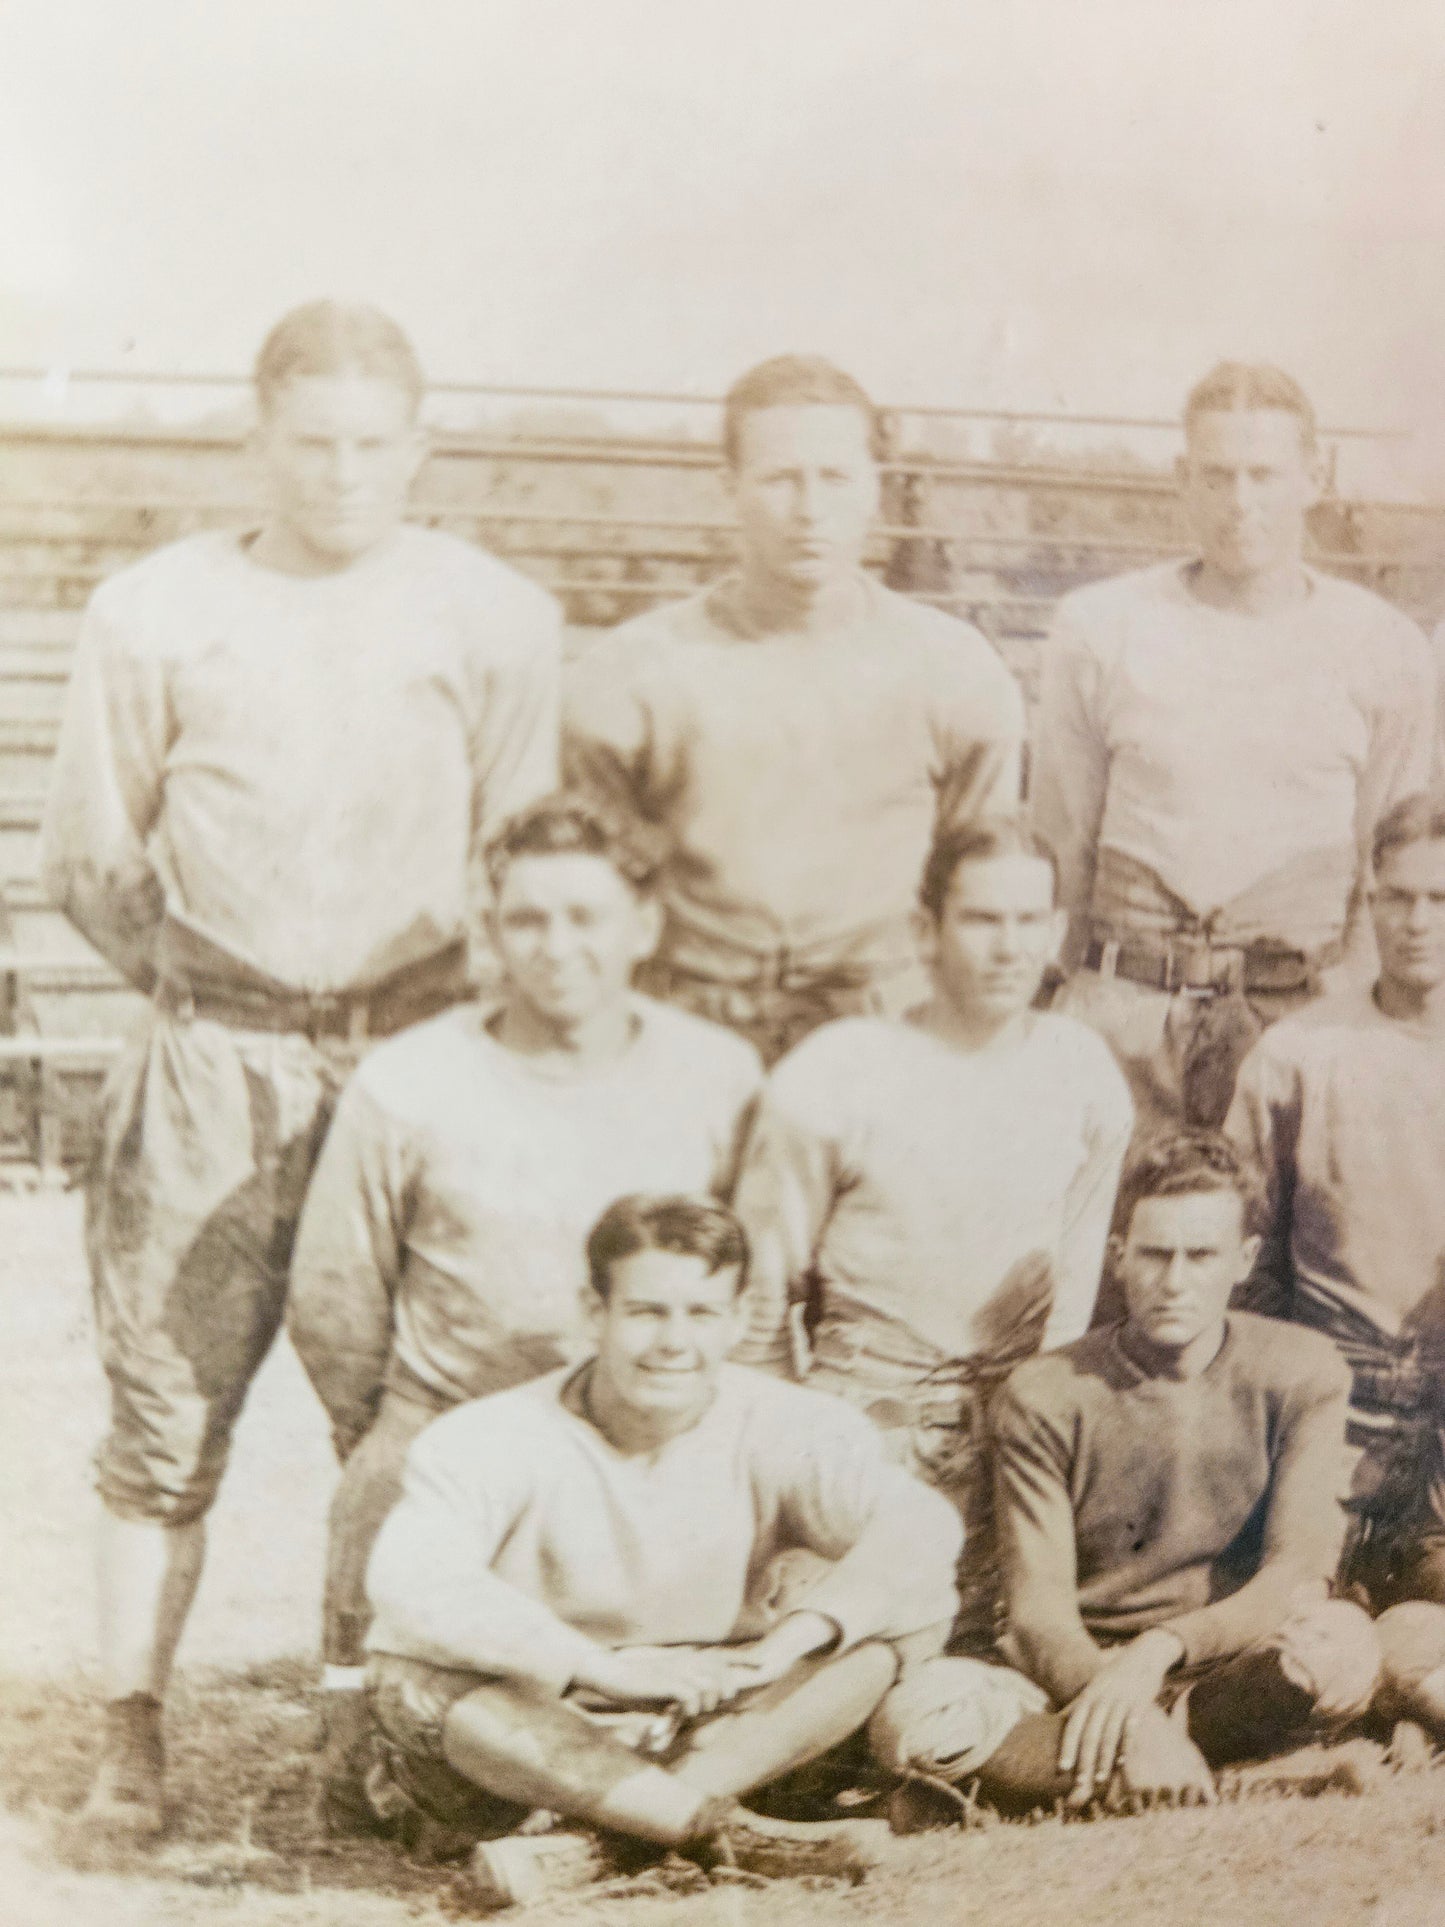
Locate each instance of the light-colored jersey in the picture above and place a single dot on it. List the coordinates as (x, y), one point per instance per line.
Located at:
(1242, 760)
(446, 1223)
(799, 779)
(938, 1196)
(309, 765)
(1342, 1110)
(523, 1539)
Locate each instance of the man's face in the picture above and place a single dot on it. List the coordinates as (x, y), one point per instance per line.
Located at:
(339, 454)
(570, 931)
(1248, 481)
(1408, 902)
(805, 487)
(998, 933)
(1178, 1262)
(664, 1331)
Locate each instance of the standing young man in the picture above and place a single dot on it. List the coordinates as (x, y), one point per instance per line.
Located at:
(585, 1560)
(1216, 742)
(1342, 1107)
(798, 730)
(440, 1254)
(281, 753)
(936, 1191)
(1169, 1523)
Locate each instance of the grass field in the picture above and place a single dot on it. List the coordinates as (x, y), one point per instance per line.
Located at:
(245, 1851)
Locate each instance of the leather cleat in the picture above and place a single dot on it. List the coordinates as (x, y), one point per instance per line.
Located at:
(127, 1796)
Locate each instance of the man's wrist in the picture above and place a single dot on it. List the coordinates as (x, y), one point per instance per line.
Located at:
(1161, 1646)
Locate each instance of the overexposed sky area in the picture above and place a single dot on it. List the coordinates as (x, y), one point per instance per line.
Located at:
(1053, 204)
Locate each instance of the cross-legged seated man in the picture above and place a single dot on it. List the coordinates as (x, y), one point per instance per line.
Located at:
(1169, 1517)
(598, 1542)
(440, 1255)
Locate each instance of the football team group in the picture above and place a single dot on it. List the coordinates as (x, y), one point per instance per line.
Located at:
(843, 1282)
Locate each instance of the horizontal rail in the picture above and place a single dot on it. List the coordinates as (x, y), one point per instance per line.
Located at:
(1084, 544)
(680, 398)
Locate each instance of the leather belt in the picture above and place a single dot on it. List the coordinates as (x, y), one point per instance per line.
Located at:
(408, 996)
(1186, 961)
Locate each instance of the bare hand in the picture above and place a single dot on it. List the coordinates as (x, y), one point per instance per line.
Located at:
(695, 1680)
(1126, 1685)
(763, 1661)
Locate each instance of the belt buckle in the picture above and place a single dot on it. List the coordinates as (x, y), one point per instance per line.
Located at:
(1190, 958)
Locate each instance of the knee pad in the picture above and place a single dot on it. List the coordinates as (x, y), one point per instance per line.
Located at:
(947, 1717)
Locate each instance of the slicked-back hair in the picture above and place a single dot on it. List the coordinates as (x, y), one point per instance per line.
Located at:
(567, 824)
(692, 1227)
(1415, 819)
(1237, 386)
(796, 381)
(976, 842)
(336, 338)
(1180, 1165)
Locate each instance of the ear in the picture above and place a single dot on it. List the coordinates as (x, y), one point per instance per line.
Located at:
(1182, 470)
(1248, 1253)
(925, 935)
(421, 447)
(649, 928)
(1317, 469)
(594, 1309)
(1058, 930)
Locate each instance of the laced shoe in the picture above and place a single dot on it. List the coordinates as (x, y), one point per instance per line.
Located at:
(522, 1868)
(348, 1763)
(795, 1849)
(127, 1796)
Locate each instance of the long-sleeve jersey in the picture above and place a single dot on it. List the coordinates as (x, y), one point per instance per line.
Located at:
(523, 1539)
(1202, 1505)
(1342, 1109)
(444, 1229)
(307, 767)
(934, 1195)
(1240, 761)
(798, 779)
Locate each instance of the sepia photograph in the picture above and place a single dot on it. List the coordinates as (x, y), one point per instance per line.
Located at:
(722, 963)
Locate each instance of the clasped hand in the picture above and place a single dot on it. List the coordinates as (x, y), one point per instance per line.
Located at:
(700, 1679)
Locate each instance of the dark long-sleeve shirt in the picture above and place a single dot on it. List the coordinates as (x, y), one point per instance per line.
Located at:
(1202, 1505)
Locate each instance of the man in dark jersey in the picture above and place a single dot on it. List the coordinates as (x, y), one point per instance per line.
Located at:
(1169, 1522)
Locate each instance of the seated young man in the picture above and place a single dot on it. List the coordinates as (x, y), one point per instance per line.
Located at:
(440, 1252)
(1343, 1108)
(1169, 1521)
(937, 1190)
(598, 1543)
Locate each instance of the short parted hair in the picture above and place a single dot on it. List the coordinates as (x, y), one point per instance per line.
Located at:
(1181, 1164)
(976, 842)
(336, 338)
(1415, 819)
(566, 824)
(1235, 386)
(692, 1226)
(796, 381)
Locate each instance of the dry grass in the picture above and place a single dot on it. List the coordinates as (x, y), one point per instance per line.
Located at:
(245, 1850)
